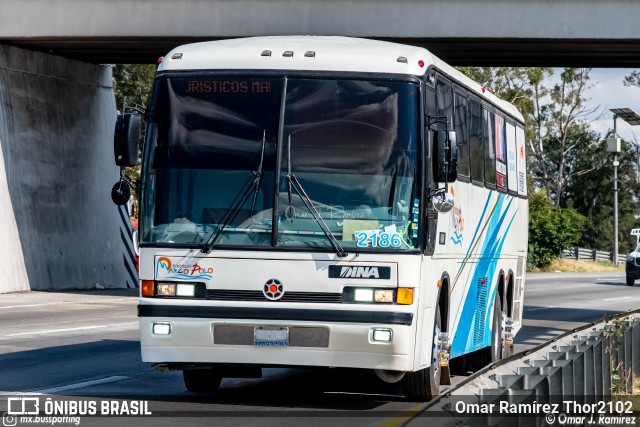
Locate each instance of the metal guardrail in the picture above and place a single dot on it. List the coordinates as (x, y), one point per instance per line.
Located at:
(585, 254)
(583, 366)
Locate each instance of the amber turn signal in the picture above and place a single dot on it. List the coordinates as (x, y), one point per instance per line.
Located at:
(404, 296)
(147, 288)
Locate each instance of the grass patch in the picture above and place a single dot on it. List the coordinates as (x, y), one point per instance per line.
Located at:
(573, 266)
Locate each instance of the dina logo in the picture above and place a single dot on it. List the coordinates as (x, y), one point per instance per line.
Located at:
(360, 272)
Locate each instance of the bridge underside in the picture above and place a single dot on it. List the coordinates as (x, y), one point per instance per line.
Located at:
(456, 51)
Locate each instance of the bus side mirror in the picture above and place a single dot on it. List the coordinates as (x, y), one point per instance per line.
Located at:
(121, 192)
(445, 156)
(125, 139)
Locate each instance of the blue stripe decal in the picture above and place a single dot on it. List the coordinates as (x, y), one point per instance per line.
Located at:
(466, 290)
(485, 268)
(487, 329)
(475, 234)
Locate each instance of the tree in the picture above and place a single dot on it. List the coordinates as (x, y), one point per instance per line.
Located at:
(132, 82)
(551, 230)
(591, 194)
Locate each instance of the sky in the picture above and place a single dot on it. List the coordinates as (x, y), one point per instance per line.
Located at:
(607, 92)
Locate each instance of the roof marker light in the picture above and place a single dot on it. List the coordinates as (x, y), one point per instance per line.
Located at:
(176, 56)
(421, 63)
(402, 59)
(288, 54)
(483, 89)
(266, 53)
(310, 54)
(160, 59)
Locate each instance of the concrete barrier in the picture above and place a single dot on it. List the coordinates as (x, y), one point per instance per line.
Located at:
(580, 369)
(58, 226)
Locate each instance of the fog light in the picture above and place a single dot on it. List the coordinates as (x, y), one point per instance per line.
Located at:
(185, 290)
(381, 335)
(166, 289)
(363, 295)
(161, 328)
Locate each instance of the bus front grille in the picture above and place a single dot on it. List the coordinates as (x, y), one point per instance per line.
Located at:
(240, 295)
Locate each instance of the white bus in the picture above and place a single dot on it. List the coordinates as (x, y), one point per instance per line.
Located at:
(327, 202)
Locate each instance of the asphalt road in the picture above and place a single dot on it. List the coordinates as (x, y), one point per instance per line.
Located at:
(85, 344)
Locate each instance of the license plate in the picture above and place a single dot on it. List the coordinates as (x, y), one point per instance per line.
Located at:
(271, 337)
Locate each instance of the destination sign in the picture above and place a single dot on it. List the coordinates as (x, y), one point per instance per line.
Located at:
(228, 86)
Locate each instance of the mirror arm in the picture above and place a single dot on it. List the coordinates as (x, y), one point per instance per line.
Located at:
(438, 192)
(128, 106)
(133, 184)
(432, 120)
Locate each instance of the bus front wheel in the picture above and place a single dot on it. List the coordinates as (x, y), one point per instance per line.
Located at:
(202, 380)
(424, 385)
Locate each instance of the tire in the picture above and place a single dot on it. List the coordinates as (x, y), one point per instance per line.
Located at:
(630, 281)
(202, 380)
(424, 385)
(497, 350)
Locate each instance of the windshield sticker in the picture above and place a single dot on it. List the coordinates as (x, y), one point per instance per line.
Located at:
(165, 269)
(376, 239)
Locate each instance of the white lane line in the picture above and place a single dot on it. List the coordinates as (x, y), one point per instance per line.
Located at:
(83, 384)
(34, 305)
(80, 328)
(613, 299)
(537, 308)
(106, 301)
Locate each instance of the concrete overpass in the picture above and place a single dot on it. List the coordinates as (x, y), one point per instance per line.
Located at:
(58, 228)
(462, 32)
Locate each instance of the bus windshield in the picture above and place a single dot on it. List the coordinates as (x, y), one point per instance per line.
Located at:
(221, 154)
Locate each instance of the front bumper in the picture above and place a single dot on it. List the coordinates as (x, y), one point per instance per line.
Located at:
(318, 337)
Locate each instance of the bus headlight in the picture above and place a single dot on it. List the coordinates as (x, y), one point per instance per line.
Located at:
(185, 289)
(368, 295)
(166, 290)
(181, 290)
(363, 295)
(383, 295)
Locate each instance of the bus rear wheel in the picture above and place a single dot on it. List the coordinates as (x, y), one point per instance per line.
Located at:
(424, 385)
(202, 380)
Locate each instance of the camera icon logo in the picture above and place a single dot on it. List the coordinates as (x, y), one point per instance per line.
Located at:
(9, 420)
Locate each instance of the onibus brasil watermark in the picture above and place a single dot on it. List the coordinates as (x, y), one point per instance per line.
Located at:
(567, 412)
(47, 411)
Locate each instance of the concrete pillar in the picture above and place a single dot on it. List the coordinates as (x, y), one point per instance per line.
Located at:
(58, 226)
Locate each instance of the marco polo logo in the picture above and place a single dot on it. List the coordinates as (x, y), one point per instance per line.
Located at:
(359, 272)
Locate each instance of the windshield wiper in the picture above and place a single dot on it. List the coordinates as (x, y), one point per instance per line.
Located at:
(293, 182)
(252, 183)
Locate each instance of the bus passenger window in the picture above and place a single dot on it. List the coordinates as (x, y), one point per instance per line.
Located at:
(488, 141)
(475, 141)
(501, 153)
(462, 134)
